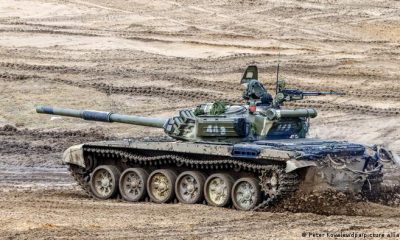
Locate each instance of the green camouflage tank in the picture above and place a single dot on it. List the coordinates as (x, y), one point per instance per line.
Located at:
(247, 156)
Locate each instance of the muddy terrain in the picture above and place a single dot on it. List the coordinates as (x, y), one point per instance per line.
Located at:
(155, 57)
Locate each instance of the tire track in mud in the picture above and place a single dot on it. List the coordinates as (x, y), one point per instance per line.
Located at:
(47, 201)
(210, 44)
(141, 91)
(292, 67)
(106, 88)
(145, 233)
(27, 148)
(43, 29)
(9, 130)
(19, 26)
(234, 64)
(61, 18)
(134, 36)
(363, 109)
(52, 68)
(23, 176)
(231, 227)
(388, 93)
(204, 226)
(206, 96)
(152, 15)
(153, 91)
(133, 91)
(306, 69)
(129, 72)
(9, 77)
(195, 82)
(48, 31)
(309, 70)
(24, 27)
(30, 141)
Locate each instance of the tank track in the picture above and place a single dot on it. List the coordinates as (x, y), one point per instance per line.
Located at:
(80, 177)
(288, 181)
(288, 185)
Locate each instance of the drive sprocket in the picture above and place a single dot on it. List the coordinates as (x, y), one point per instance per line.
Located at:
(276, 185)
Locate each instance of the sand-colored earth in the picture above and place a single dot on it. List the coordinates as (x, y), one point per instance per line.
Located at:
(155, 57)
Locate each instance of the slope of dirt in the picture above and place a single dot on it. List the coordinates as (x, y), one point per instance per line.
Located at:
(156, 57)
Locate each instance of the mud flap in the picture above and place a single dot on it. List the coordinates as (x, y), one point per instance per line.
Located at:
(292, 165)
(74, 155)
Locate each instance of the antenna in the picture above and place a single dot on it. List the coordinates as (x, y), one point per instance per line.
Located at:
(277, 79)
(279, 59)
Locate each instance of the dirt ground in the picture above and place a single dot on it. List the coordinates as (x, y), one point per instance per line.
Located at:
(155, 57)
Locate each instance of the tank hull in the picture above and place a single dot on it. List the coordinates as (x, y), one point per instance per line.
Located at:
(303, 164)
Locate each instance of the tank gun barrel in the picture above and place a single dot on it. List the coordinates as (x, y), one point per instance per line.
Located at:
(103, 116)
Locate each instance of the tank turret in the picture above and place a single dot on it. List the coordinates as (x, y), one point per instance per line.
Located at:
(230, 124)
(261, 118)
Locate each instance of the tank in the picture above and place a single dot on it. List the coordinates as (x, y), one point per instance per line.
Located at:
(249, 156)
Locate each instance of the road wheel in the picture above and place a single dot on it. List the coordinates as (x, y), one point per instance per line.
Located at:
(189, 187)
(246, 193)
(104, 181)
(132, 184)
(160, 185)
(217, 189)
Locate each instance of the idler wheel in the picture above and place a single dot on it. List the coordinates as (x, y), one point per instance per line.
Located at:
(160, 185)
(246, 193)
(132, 184)
(189, 187)
(217, 189)
(104, 181)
